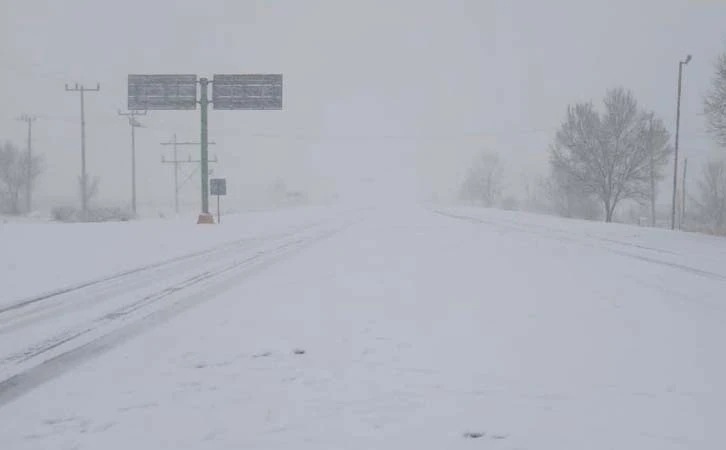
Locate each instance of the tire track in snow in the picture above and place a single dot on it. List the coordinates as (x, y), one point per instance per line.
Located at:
(563, 237)
(92, 294)
(120, 276)
(124, 323)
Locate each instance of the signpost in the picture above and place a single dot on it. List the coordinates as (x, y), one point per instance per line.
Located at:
(218, 187)
(229, 92)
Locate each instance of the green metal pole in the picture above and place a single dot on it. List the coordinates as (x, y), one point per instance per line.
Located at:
(204, 101)
(84, 177)
(133, 162)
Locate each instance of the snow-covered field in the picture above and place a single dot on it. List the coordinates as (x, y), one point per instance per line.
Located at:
(375, 329)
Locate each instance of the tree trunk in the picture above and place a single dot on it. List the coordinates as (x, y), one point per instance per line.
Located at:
(608, 211)
(15, 202)
(652, 194)
(611, 212)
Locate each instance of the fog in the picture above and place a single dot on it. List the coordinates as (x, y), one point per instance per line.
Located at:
(383, 100)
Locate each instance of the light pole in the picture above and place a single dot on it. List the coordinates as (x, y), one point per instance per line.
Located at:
(683, 194)
(678, 125)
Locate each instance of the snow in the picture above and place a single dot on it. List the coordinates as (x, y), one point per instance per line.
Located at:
(417, 327)
(40, 257)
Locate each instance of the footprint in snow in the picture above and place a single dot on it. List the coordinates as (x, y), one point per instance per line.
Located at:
(473, 435)
(481, 434)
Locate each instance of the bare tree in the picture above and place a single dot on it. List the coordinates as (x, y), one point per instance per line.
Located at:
(483, 183)
(712, 196)
(608, 155)
(715, 102)
(15, 175)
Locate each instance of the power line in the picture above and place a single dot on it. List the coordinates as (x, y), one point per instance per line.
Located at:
(176, 161)
(363, 137)
(699, 134)
(55, 76)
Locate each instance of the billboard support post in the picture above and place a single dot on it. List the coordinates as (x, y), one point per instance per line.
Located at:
(204, 103)
(229, 92)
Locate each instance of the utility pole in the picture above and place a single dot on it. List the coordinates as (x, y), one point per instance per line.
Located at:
(176, 161)
(134, 124)
(84, 176)
(678, 126)
(29, 166)
(683, 194)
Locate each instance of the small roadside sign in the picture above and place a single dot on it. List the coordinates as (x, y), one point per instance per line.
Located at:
(218, 187)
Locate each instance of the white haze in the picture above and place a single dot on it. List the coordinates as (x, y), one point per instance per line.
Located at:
(384, 100)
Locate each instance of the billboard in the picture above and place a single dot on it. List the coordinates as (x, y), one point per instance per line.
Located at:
(248, 92)
(162, 92)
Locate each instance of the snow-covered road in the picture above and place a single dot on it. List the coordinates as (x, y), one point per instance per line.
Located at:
(45, 334)
(388, 329)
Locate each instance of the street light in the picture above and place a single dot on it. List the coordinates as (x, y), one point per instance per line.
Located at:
(678, 125)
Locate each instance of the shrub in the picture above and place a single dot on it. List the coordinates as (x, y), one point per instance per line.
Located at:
(64, 214)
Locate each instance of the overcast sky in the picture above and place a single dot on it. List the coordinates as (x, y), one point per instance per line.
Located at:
(403, 91)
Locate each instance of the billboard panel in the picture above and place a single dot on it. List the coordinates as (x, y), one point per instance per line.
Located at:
(248, 92)
(162, 92)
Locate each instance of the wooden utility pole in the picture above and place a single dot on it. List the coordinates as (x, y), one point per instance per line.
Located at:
(84, 176)
(29, 166)
(134, 125)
